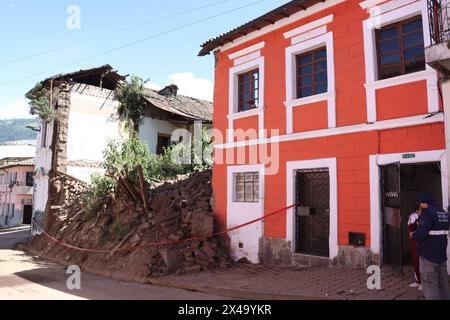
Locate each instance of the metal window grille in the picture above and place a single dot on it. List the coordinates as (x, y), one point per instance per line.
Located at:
(246, 187)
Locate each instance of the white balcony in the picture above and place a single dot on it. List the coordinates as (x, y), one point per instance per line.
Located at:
(22, 190)
(438, 54)
(438, 57)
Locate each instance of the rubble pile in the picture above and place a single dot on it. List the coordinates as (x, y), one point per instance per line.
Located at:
(67, 192)
(175, 211)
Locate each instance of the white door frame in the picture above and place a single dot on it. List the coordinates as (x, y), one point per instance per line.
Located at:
(375, 187)
(236, 209)
(292, 168)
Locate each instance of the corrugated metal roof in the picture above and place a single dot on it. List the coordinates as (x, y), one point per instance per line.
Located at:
(265, 20)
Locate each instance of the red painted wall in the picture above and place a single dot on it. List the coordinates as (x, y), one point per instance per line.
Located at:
(310, 117)
(351, 150)
(402, 101)
(249, 126)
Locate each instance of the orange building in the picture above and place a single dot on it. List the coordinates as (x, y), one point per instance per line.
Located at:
(338, 94)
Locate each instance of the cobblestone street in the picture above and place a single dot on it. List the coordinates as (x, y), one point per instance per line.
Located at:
(260, 282)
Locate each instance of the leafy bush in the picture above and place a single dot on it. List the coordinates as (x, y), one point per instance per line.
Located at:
(97, 191)
(132, 102)
(40, 106)
(123, 157)
(196, 156)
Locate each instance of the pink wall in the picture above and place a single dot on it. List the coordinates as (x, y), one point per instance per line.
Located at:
(7, 197)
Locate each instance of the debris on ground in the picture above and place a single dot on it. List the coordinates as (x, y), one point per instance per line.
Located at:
(174, 211)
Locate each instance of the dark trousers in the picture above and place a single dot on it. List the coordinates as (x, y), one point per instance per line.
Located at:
(434, 280)
(415, 260)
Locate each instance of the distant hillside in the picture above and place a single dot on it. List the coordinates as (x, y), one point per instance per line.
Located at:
(13, 130)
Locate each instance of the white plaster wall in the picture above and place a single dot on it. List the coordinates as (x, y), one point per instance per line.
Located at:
(42, 169)
(241, 213)
(150, 128)
(18, 151)
(82, 173)
(90, 127)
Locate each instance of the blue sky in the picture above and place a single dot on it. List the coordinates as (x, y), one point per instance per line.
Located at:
(28, 27)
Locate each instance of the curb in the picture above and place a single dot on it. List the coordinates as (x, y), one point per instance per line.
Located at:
(225, 292)
(15, 229)
(231, 292)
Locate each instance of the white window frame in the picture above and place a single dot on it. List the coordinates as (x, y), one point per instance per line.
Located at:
(233, 113)
(292, 168)
(235, 197)
(381, 16)
(45, 134)
(236, 212)
(291, 79)
(375, 187)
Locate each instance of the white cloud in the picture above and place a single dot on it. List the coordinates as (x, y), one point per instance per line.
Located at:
(191, 86)
(152, 85)
(16, 109)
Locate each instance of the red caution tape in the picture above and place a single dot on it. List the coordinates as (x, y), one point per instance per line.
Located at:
(164, 243)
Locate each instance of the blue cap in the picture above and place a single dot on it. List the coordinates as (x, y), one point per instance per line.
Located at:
(427, 198)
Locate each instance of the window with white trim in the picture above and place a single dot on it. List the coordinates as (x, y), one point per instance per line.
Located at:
(311, 70)
(400, 48)
(310, 77)
(246, 187)
(309, 63)
(248, 90)
(392, 73)
(247, 87)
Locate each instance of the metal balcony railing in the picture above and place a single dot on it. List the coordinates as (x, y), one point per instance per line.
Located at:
(438, 12)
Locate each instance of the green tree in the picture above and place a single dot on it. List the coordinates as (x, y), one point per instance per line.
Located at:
(126, 155)
(40, 106)
(132, 102)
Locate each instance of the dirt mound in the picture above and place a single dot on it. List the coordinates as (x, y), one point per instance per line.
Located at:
(178, 210)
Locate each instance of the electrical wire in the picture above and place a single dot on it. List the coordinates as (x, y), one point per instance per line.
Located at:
(79, 43)
(129, 44)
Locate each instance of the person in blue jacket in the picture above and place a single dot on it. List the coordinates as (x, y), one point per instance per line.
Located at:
(432, 239)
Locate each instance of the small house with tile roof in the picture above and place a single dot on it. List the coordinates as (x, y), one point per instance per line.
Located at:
(85, 107)
(16, 192)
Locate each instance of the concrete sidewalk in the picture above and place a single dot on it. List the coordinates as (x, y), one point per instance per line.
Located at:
(21, 228)
(281, 283)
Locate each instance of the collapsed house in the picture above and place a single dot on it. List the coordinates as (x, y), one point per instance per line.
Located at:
(72, 143)
(129, 242)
